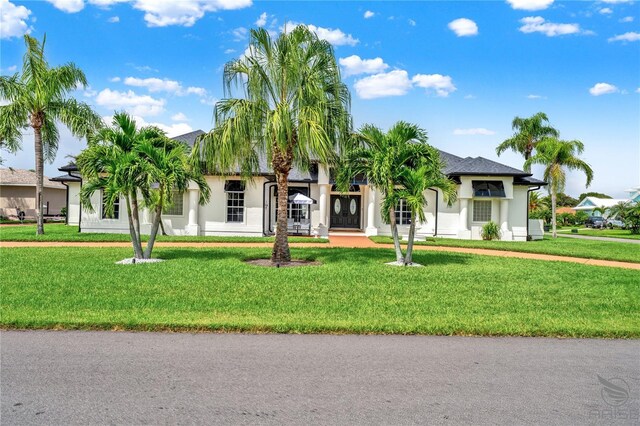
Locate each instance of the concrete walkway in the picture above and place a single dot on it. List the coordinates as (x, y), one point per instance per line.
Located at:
(591, 237)
(342, 242)
(95, 378)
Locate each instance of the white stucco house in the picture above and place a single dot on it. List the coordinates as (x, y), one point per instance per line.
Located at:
(487, 191)
(590, 204)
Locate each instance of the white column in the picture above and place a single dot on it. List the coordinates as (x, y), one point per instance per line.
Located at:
(463, 228)
(504, 221)
(323, 229)
(371, 213)
(192, 226)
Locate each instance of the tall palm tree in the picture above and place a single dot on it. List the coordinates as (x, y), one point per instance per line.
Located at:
(556, 155)
(528, 133)
(128, 162)
(37, 98)
(399, 164)
(294, 108)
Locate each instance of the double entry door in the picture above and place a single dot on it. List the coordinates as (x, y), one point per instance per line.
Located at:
(345, 211)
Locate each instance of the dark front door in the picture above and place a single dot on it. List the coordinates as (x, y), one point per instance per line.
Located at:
(345, 211)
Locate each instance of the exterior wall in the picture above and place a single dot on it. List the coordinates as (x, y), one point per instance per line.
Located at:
(260, 205)
(24, 198)
(73, 208)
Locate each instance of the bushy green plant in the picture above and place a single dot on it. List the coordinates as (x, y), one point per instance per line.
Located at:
(63, 211)
(632, 218)
(490, 231)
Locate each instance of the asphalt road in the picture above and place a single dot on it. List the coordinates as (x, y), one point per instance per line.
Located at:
(67, 378)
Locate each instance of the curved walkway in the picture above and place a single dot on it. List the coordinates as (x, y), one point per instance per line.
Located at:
(343, 242)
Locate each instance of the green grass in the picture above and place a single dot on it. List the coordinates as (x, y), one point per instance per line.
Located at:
(588, 249)
(613, 233)
(353, 291)
(64, 233)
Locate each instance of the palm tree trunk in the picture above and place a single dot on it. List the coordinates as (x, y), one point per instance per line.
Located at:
(37, 131)
(395, 236)
(135, 239)
(553, 212)
(408, 260)
(154, 231)
(136, 215)
(281, 251)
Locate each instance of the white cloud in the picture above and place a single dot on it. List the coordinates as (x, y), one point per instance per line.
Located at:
(173, 130)
(114, 79)
(638, 90)
(469, 96)
(603, 89)
(154, 84)
(393, 83)
(114, 19)
(606, 11)
(11, 69)
(13, 20)
(441, 84)
(630, 36)
(240, 33)
(353, 65)
(474, 131)
(616, 1)
(69, 6)
(530, 4)
(627, 19)
(262, 19)
(463, 27)
(335, 37)
(537, 24)
(536, 97)
(162, 13)
(89, 92)
(142, 105)
(208, 100)
(411, 22)
(369, 14)
(164, 85)
(227, 51)
(179, 117)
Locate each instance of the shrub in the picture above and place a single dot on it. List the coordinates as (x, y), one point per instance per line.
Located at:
(490, 231)
(63, 211)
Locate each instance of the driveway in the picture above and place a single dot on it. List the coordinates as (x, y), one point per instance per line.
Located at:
(50, 377)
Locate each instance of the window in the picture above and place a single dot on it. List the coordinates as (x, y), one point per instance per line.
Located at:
(176, 208)
(403, 213)
(116, 208)
(235, 200)
(481, 211)
(488, 188)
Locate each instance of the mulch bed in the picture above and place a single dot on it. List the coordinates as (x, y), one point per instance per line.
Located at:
(293, 263)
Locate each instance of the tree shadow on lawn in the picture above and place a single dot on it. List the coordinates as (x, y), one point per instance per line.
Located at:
(326, 256)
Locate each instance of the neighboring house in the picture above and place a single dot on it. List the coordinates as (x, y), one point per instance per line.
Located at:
(487, 191)
(589, 204)
(18, 193)
(634, 194)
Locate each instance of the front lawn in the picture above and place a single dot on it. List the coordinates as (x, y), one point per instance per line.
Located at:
(588, 249)
(65, 233)
(353, 291)
(612, 233)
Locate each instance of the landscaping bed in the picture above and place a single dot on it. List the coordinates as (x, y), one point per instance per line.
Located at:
(351, 291)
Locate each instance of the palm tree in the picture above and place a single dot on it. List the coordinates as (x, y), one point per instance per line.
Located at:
(37, 98)
(168, 170)
(529, 132)
(556, 155)
(294, 109)
(399, 164)
(124, 161)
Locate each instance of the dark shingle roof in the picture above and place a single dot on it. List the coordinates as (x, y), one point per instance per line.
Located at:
(478, 166)
(528, 180)
(71, 167)
(66, 178)
(189, 138)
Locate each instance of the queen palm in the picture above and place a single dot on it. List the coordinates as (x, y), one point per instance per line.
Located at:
(37, 98)
(400, 165)
(294, 108)
(558, 155)
(529, 132)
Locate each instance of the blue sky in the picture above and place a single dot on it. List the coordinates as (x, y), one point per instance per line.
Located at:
(462, 70)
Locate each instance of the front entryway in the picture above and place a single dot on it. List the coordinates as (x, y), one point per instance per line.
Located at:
(345, 211)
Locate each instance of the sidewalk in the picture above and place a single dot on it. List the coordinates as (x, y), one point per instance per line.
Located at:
(591, 237)
(342, 242)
